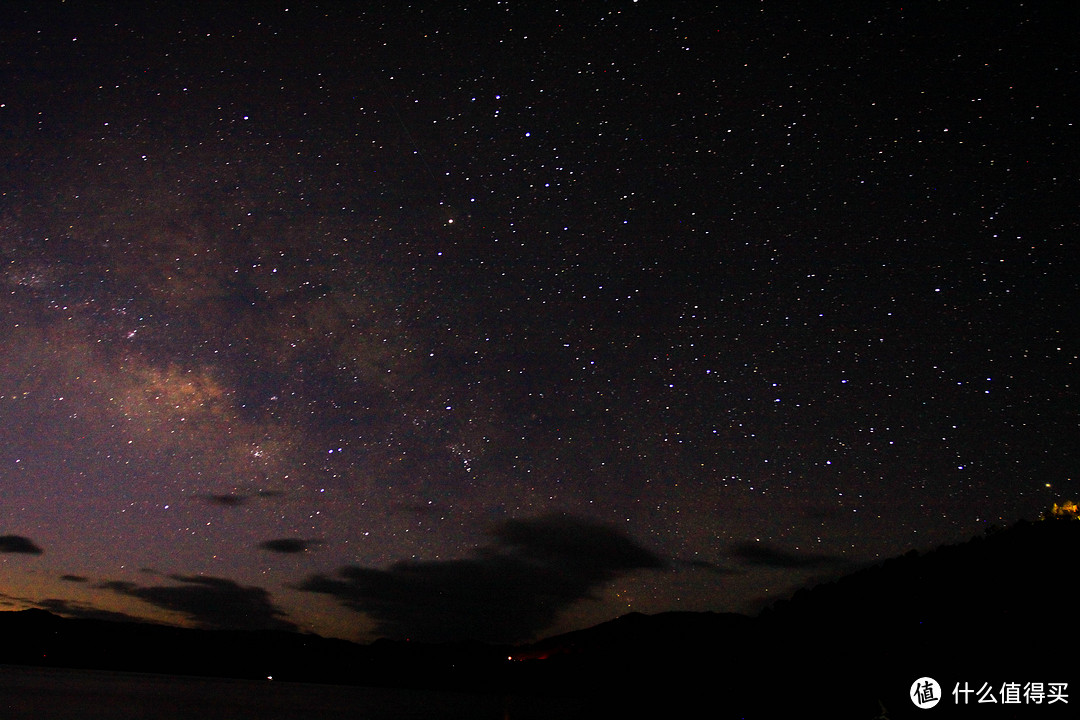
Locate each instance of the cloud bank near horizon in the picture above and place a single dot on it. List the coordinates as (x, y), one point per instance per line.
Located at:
(509, 591)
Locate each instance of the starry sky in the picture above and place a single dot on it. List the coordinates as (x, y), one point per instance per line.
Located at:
(493, 320)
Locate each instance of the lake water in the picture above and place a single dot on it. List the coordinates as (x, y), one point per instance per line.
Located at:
(55, 694)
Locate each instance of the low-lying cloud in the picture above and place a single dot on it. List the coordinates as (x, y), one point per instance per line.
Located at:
(18, 544)
(76, 609)
(509, 591)
(210, 602)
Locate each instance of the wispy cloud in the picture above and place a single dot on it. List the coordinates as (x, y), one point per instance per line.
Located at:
(768, 556)
(227, 500)
(71, 608)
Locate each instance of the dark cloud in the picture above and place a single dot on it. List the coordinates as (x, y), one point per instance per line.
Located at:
(238, 499)
(508, 592)
(69, 608)
(228, 500)
(18, 544)
(73, 578)
(289, 545)
(210, 602)
(767, 556)
(14, 601)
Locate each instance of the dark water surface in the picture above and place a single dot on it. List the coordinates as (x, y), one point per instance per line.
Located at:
(59, 694)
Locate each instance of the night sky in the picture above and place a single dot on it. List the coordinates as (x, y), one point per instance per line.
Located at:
(493, 320)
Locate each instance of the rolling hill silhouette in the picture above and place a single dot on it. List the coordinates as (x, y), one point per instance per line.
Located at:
(997, 609)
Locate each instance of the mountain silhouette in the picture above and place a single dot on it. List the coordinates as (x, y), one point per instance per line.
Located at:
(994, 610)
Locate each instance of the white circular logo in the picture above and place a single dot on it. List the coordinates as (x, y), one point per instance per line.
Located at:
(925, 692)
